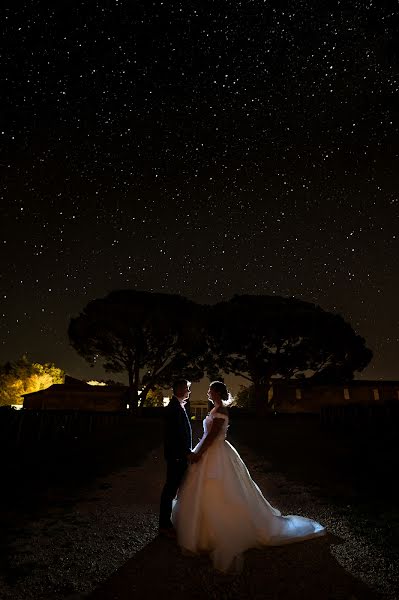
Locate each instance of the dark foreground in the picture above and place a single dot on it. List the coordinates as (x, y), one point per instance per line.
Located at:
(89, 524)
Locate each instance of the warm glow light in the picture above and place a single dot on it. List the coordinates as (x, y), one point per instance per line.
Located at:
(94, 382)
(166, 400)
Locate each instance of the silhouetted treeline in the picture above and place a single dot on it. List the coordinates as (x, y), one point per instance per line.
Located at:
(156, 338)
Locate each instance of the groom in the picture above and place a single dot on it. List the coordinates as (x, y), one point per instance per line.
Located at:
(177, 450)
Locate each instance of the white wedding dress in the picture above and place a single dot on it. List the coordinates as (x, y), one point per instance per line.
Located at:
(220, 510)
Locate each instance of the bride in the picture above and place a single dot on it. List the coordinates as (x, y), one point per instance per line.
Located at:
(219, 509)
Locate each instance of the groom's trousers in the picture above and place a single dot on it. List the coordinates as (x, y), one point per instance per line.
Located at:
(175, 471)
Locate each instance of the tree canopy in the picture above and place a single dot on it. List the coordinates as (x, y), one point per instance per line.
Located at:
(260, 337)
(155, 338)
(155, 397)
(24, 376)
(243, 397)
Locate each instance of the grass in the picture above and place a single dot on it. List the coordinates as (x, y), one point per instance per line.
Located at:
(30, 471)
(344, 468)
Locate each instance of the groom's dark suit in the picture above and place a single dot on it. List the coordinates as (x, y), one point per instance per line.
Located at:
(177, 447)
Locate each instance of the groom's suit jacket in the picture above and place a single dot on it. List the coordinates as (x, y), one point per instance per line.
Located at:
(177, 432)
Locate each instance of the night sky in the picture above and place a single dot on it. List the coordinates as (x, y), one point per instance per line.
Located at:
(200, 148)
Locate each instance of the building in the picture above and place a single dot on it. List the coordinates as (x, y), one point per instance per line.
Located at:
(301, 396)
(199, 409)
(78, 395)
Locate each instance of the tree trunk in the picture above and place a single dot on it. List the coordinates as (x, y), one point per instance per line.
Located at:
(261, 397)
(133, 390)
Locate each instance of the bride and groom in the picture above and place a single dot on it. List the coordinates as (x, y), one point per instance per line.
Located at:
(209, 501)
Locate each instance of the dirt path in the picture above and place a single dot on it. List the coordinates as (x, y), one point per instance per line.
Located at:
(306, 570)
(104, 546)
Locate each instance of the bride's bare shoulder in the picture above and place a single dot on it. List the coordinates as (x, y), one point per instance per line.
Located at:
(221, 411)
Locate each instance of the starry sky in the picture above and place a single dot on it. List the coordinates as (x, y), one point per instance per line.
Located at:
(201, 148)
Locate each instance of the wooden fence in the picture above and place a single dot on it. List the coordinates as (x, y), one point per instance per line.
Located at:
(370, 416)
(27, 427)
(32, 427)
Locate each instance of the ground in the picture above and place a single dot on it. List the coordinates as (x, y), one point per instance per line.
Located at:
(98, 540)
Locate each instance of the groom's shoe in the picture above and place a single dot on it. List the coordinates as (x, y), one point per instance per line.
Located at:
(168, 532)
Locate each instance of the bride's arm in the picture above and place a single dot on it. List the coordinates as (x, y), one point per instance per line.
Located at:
(217, 425)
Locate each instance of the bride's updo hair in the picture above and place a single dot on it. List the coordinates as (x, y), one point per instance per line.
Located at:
(225, 396)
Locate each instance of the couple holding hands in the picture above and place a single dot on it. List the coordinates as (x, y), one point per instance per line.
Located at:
(209, 502)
